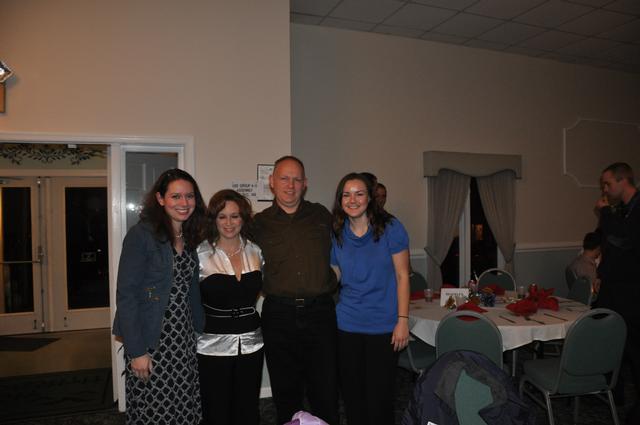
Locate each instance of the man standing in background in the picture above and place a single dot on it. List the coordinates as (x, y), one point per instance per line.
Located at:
(619, 269)
(298, 314)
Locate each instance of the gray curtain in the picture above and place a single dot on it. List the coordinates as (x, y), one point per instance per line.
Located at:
(498, 197)
(447, 196)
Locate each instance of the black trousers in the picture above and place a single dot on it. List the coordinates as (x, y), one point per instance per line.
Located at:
(622, 297)
(300, 348)
(367, 370)
(230, 388)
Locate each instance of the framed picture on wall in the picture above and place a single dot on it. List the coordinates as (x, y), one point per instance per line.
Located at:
(264, 191)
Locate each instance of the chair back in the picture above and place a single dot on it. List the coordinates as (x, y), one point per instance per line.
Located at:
(500, 277)
(570, 277)
(593, 347)
(480, 335)
(580, 290)
(417, 282)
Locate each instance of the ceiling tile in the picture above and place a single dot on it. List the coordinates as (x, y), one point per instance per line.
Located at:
(448, 4)
(551, 40)
(589, 47)
(524, 51)
(553, 13)
(594, 3)
(626, 53)
(510, 33)
(466, 25)
(299, 18)
(629, 32)
(347, 24)
(559, 57)
(366, 10)
(481, 44)
(401, 31)
(596, 22)
(312, 7)
(418, 16)
(503, 9)
(445, 38)
(625, 6)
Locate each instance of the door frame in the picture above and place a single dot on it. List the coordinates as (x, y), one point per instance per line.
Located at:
(118, 146)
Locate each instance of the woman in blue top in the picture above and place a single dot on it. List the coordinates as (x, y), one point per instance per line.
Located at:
(370, 255)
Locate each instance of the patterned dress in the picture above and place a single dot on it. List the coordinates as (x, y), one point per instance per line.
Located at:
(172, 394)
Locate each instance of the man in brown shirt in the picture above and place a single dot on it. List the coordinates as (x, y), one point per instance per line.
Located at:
(298, 315)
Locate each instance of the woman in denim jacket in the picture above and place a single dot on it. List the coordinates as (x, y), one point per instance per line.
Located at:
(158, 304)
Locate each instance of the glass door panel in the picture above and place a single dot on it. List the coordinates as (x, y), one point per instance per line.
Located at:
(86, 237)
(20, 267)
(141, 171)
(78, 247)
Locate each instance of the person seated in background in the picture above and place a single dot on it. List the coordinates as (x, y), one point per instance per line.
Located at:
(381, 194)
(585, 264)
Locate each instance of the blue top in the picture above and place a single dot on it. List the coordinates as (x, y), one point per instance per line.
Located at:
(369, 295)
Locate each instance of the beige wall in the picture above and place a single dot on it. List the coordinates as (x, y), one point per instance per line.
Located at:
(364, 101)
(214, 70)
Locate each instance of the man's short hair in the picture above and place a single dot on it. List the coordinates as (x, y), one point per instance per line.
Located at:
(591, 241)
(289, 158)
(621, 171)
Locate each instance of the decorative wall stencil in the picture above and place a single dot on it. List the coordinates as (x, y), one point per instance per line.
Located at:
(591, 145)
(47, 154)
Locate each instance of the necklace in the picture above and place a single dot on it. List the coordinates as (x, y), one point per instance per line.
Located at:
(234, 253)
(179, 235)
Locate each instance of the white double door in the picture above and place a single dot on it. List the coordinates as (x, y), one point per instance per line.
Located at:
(53, 254)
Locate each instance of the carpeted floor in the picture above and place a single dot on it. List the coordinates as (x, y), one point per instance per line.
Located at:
(54, 394)
(592, 411)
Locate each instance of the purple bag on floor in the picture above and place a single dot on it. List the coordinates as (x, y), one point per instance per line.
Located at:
(305, 418)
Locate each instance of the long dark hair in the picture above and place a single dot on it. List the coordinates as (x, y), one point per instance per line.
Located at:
(153, 213)
(378, 217)
(217, 204)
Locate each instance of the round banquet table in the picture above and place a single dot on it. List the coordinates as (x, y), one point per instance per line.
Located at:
(516, 331)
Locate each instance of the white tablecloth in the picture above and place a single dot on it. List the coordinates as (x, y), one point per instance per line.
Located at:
(424, 318)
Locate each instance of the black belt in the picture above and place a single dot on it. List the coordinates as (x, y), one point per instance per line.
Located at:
(231, 313)
(301, 302)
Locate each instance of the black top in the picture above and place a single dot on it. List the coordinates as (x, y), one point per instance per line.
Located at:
(224, 292)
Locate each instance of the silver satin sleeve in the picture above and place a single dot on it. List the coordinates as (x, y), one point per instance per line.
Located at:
(227, 344)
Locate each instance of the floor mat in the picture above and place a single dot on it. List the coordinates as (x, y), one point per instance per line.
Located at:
(51, 394)
(12, 343)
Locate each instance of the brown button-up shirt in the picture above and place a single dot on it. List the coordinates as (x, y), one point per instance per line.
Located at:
(296, 250)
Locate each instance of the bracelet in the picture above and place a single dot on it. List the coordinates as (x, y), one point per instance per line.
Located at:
(404, 317)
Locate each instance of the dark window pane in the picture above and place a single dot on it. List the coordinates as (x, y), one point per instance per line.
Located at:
(17, 279)
(87, 250)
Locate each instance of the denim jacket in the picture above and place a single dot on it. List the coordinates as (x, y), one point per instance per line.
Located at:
(145, 277)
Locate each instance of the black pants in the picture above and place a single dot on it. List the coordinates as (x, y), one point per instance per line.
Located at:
(300, 347)
(230, 388)
(367, 369)
(622, 298)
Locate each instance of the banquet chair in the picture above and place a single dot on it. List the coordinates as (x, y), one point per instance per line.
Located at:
(457, 332)
(500, 277)
(417, 357)
(570, 277)
(417, 282)
(467, 388)
(589, 363)
(581, 291)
